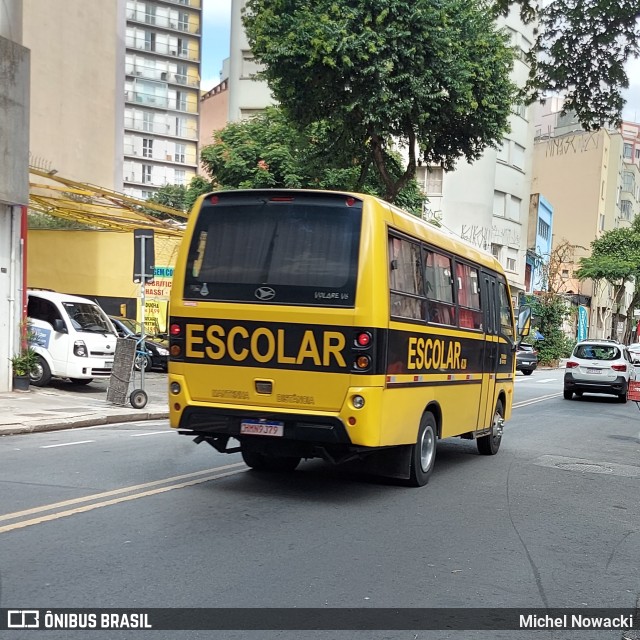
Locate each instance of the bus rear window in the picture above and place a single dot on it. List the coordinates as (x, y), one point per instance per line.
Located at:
(300, 250)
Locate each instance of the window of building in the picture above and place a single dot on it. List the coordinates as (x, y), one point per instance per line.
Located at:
(517, 157)
(601, 222)
(511, 264)
(249, 66)
(181, 100)
(145, 195)
(628, 182)
(181, 73)
(433, 184)
(147, 121)
(512, 260)
(520, 110)
(183, 21)
(180, 176)
(514, 208)
(149, 41)
(147, 147)
(626, 209)
(180, 152)
(183, 47)
(637, 154)
(544, 230)
(496, 251)
(146, 174)
(628, 150)
(180, 126)
(502, 154)
(499, 203)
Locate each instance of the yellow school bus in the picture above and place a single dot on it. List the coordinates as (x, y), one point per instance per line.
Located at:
(312, 324)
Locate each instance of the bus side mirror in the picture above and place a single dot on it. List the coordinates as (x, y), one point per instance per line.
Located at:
(524, 322)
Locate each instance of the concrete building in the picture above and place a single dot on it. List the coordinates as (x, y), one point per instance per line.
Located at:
(486, 203)
(161, 94)
(214, 113)
(580, 173)
(77, 77)
(14, 183)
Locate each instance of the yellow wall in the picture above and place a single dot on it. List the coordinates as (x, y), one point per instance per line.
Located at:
(96, 263)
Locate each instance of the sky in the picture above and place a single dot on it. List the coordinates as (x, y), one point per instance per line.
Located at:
(216, 17)
(215, 48)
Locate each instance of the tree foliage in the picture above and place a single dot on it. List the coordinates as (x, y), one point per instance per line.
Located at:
(550, 312)
(581, 50)
(615, 259)
(179, 196)
(268, 151)
(433, 76)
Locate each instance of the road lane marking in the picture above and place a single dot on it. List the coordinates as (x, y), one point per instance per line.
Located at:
(108, 503)
(544, 380)
(524, 403)
(114, 492)
(151, 433)
(65, 444)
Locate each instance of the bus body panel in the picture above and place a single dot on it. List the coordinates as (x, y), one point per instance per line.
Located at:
(294, 362)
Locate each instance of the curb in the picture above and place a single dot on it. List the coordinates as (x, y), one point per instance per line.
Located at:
(74, 423)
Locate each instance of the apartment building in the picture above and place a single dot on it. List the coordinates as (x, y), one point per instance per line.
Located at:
(161, 94)
(581, 173)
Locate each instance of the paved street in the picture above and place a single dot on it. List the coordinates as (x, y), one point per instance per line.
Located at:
(133, 515)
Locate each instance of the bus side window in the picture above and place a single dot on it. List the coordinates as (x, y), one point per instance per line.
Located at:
(506, 313)
(469, 297)
(439, 284)
(406, 280)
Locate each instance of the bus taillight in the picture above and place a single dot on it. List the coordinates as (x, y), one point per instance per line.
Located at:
(175, 330)
(363, 339)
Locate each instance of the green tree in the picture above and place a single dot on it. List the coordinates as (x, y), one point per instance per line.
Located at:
(432, 76)
(550, 311)
(178, 196)
(268, 151)
(580, 51)
(615, 259)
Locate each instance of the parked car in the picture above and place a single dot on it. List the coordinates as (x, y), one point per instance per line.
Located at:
(599, 366)
(634, 352)
(71, 336)
(157, 349)
(526, 359)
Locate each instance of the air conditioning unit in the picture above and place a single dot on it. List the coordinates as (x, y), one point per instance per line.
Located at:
(173, 53)
(169, 157)
(163, 75)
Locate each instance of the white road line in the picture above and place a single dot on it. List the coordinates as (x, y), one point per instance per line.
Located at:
(524, 403)
(151, 433)
(65, 444)
(547, 380)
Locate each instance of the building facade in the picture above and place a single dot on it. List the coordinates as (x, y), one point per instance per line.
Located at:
(580, 172)
(539, 237)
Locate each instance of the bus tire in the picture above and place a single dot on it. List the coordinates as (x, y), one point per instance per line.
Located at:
(488, 445)
(267, 462)
(423, 452)
(41, 374)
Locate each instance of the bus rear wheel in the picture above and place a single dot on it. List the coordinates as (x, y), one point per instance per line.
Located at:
(267, 462)
(423, 452)
(488, 445)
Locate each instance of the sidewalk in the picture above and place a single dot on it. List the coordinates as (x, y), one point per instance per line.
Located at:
(63, 405)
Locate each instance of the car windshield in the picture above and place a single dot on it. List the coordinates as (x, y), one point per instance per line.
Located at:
(597, 352)
(132, 325)
(87, 317)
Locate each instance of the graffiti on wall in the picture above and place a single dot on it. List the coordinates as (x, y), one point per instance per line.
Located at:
(476, 235)
(574, 143)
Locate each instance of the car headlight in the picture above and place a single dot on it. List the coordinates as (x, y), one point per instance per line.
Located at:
(162, 351)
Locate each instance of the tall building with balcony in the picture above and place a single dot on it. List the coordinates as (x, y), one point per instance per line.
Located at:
(162, 79)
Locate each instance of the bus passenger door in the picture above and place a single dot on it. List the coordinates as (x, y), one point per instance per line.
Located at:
(490, 351)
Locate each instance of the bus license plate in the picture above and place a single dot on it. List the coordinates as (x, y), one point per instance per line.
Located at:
(262, 428)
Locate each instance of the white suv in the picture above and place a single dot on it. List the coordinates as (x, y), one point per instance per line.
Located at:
(599, 366)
